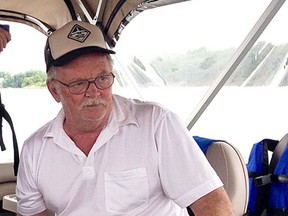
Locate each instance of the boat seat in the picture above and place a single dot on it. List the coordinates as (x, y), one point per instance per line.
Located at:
(231, 168)
(7, 179)
(7, 184)
(278, 151)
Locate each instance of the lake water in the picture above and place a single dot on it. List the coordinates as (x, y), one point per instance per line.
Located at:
(29, 109)
(241, 116)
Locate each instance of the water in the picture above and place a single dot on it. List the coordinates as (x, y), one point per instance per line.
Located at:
(29, 109)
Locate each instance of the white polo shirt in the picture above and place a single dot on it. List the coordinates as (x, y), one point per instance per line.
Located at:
(143, 163)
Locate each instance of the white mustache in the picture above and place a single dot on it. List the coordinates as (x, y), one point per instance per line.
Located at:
(93, 102)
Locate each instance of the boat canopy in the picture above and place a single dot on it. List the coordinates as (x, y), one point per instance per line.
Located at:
(48, 15)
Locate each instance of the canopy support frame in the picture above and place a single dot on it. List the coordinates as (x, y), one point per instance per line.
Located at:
(240, 53)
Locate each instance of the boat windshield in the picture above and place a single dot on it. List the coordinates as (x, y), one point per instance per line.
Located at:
(173, 55)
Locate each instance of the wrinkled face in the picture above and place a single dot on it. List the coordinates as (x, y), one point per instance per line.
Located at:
(94, 105)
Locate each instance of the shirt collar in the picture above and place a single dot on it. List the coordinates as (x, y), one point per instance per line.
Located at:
(121, 115)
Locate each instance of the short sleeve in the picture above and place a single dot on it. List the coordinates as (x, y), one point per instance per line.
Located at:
(29, 198)
(185, 173)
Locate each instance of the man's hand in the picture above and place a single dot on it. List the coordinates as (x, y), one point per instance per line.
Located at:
(5, 37)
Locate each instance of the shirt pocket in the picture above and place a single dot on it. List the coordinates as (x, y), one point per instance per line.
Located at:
(126, 190)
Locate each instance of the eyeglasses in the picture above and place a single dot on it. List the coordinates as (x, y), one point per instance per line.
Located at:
(81, 86)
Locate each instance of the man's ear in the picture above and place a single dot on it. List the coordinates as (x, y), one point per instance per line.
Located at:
(53, 90)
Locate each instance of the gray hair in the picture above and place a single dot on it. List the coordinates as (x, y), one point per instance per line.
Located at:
(51, 73)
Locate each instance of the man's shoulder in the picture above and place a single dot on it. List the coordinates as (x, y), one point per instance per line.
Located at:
(48, 128)
(139, 109)
(39, 134)
(137, 103)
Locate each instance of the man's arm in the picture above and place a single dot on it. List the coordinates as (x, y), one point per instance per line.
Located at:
(215, 203)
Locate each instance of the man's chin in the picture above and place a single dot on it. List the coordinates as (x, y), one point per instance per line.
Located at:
(93, 116)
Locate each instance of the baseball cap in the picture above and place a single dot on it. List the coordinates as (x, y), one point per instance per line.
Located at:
(72, 40)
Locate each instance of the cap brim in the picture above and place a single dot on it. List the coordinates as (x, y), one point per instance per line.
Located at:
(68, 57)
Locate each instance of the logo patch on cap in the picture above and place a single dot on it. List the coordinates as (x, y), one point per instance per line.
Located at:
(78, 33)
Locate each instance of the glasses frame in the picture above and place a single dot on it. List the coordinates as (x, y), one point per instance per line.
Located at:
(69, 85)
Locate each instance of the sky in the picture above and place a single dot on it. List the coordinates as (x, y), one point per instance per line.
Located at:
(208, 23)
(25, 51)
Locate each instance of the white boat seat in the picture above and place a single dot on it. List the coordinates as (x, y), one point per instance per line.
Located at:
(7, 179)
(231, 168)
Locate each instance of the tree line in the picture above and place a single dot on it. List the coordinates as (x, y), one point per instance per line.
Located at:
(28, 79)
(198, 67)
(202, 67)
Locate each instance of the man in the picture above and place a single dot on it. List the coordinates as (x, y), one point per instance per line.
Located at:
(107, 155)
(5, 37)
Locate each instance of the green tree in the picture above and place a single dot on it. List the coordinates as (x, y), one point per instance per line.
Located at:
(29, 79)
(34, 79)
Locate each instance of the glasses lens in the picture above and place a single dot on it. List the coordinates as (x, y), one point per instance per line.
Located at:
(78, 87)
(105, 81)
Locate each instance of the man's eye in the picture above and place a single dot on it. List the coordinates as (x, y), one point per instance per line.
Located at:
(77, 84)
(103, 78)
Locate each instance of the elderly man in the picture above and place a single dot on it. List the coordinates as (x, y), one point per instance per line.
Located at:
(107, 155)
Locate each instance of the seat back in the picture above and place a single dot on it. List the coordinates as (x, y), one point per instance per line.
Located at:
(268, 178)
(278, 151)
(7, 179)
(231, 168)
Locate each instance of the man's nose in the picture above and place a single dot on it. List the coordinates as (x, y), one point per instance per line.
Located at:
(92, 89)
